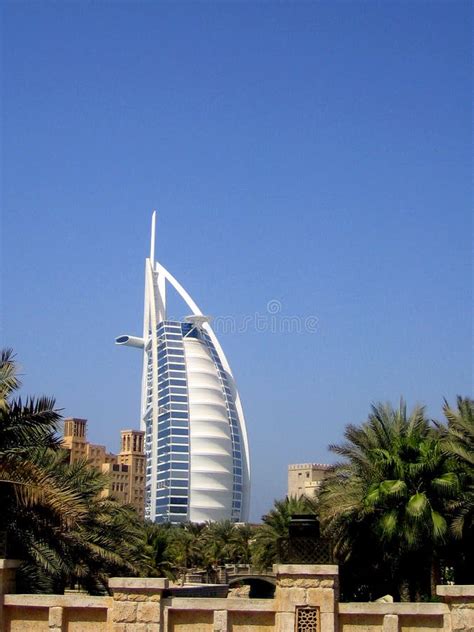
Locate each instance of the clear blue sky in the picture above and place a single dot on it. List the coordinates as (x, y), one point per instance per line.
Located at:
(315, 154)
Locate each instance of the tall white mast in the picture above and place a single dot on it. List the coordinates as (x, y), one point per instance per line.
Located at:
(158, 280)
(152, 242)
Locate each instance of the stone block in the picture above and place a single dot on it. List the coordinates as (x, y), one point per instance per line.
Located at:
(284, 622)
(153, 627)
(124, 612)
(462, 619)
(8, 576)
(156, 597)
(297, 570)
(55, 619)
(137, 596)
(286, 582)
(447, 623)
(328, 622)
(139, 584)
(120, 596)
(148, 612)
(135, 627)
(457, 591)
(327, 583)
(390, 623)
(322, 597)
(307, 582)
(286, 599)
(220, 621)
(118, 627)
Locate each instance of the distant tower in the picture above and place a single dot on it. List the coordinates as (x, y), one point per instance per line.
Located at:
(197, 456)
(75, 427)
(304, 479)
(75, 438)
(132, 454)
(125, 473)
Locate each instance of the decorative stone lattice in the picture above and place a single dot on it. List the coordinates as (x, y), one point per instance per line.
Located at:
(307, 619)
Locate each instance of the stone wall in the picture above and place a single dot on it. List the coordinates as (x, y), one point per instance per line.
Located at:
(218, 615)
(56, 613)
(393, 617)
(306, 600)
(460, 600)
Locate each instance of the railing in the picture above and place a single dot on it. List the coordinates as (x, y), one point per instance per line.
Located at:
(245, 569)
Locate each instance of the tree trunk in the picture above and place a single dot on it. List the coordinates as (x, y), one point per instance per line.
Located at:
(404, 590)
(435, 576)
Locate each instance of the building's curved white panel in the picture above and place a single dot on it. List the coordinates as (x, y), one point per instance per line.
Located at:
(210, 483)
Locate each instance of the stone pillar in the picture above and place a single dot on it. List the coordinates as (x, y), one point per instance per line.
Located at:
(220, 621)
(390, 623)
(55, 619)
(137, 604)
(310, 591)
(7, 582)
(460, 600)
(7, 576)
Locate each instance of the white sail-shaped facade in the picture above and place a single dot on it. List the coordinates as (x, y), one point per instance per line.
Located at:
(195, 436)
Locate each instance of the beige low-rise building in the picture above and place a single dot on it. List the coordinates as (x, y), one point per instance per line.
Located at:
(304, 479)
(125, 472)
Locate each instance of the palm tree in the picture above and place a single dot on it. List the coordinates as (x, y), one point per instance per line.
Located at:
(386, 501)
(9, 381)
(217, 543)
(457, 440)
(240, 548)
(157, 540)
(107, 540)
(27, 429)
(184, 548)
(275, 526)
(52, 512)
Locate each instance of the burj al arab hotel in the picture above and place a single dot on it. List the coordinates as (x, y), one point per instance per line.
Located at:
(197, 453)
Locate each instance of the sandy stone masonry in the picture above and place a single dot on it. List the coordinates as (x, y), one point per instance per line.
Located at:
(306, 585)
(136, 605)
(306, 600)
(55, 613)
(7, 583)
(7, 575)
(461, 604)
